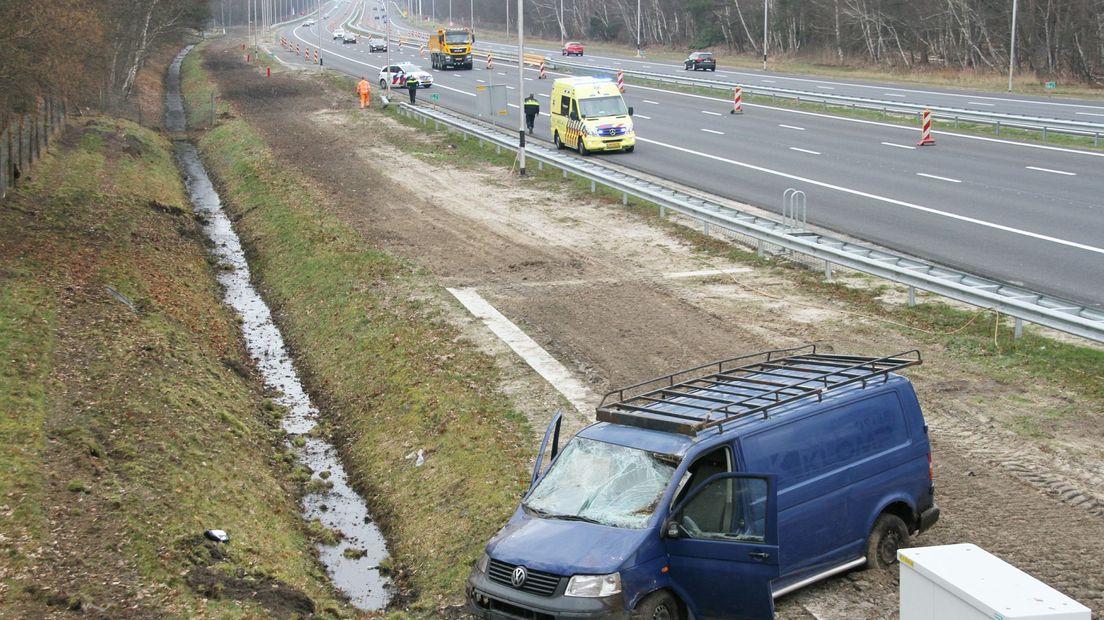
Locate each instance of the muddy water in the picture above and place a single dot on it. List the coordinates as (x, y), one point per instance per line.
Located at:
(339, 508)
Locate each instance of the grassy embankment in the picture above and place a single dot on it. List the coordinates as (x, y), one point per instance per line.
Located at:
(130, 429)
(394, 379)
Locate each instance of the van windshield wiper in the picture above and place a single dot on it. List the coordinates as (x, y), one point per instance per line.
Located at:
(574, 518)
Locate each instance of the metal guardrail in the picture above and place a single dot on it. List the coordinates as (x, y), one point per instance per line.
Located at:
(1018, 302)
(997, 119)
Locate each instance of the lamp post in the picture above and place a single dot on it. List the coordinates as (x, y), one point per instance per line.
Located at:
(563, 31)
(450, 13)
(1012, 47)
(765, 34)
(473, 15)
(318, 27)
(638, 28)
(521, 87)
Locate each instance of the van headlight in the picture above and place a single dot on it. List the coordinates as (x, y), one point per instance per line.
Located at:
(468, 57)
(588, 131)
(594, 586)
(481, 565)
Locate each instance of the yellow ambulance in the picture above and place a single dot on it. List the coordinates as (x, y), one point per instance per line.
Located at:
(589, 115)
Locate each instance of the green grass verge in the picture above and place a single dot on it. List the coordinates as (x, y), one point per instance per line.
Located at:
(394, 377)
(153, 437)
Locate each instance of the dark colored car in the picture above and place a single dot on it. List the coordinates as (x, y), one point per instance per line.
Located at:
(573, 48)
(700, 60)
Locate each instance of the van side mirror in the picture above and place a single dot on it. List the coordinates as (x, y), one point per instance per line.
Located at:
(630, 110)
(574, 116)
(672, 529)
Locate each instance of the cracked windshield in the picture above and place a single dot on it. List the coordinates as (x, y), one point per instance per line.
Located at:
(604, 483)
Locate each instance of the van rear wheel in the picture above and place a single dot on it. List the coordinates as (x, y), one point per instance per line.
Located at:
(657, 606)
(888, 535)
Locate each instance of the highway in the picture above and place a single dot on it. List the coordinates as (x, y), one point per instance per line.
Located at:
(1022, 213)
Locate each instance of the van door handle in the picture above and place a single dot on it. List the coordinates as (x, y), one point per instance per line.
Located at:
(759, 555)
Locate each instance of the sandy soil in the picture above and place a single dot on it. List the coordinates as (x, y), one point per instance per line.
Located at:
(589, 282)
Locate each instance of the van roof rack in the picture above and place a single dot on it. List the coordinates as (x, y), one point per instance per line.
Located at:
(696, 399)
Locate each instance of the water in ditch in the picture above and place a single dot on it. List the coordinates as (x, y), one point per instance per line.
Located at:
(353, 563)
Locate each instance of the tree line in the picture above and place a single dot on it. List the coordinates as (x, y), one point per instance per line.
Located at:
(1054, 38)
(86, 51)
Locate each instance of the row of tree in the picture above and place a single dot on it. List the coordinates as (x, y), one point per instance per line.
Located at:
(1054, 37)
(87, 51)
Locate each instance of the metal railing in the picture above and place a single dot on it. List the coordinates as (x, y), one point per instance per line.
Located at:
(946, 114)
(1015, 301)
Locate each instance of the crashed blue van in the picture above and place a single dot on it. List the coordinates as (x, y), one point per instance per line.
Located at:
(710, 492)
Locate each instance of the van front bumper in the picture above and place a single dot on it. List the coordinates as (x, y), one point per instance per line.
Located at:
(612, 143)
(490, 600)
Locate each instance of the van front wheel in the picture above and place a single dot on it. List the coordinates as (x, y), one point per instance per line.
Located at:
(889, 535)
(657, 606)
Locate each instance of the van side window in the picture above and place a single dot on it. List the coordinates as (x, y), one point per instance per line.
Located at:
(574, 110)
(727, 509)
(565, 105)
(715, 462)
(828, 440)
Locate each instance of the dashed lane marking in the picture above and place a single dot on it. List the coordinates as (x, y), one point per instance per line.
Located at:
(719, 133)
(794, 148)
(1062, 172)
(794, 127)
(937, 178)
(900, 146)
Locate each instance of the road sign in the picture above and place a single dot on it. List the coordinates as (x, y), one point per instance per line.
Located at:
(435, 97)
(1051, 85)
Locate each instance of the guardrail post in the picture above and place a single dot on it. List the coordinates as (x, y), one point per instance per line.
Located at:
(828, 271)
(625, 198)
(498, 149)
(759, 248)
(1017, 332)
(705, 228)
(1096, 139)
(998, 128)
(956, 121)
(593, 186)
(540, 165)
(1044, 134)
(912, 297)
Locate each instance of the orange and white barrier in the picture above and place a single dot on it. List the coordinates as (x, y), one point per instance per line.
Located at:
(306, 54)
(926, 138)
(737, 101)
(490, 61)
(620, 80)
(421, 51)
(542, 75)
(316, 57)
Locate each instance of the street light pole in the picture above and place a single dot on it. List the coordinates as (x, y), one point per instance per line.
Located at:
(450, 13)
(318, 26)
(1012, 47)
(638, 28)
(765, 34)
(473, 15)
(521, 87)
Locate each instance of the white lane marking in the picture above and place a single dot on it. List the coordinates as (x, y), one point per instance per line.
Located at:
(893, 94)
(989, 105)
(900, 146)
(1088, 114)
(647, 118)
(767, 81)
(508, 87)
(501, 73)
(794, 148)
(705, 273)
(651, 102)
(1063, 172)
(543, 95)
(480, 81)
(827, 87)
(526, 348)
(719, 133)
(937, 178)
(713, 113)
(795, 128)
(893, 201)
(528, 79)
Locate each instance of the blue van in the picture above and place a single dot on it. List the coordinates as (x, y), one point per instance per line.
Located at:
(710, 492)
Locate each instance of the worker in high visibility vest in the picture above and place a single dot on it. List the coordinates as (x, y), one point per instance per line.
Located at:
(364, 89)
(412, 85)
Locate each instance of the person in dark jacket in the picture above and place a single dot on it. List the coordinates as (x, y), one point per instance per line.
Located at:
(412, 85)
(532, 109)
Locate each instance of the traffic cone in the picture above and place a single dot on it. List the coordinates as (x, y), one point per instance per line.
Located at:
(737, 102)
(926, 138)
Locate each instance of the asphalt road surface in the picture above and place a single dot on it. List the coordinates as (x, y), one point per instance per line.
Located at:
(1020, 213)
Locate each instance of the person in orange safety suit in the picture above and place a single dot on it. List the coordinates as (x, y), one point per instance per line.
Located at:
(364, 89)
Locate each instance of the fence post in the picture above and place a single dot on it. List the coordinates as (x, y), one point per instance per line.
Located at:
(5, 165)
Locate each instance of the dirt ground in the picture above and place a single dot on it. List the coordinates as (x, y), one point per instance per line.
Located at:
(598, 287)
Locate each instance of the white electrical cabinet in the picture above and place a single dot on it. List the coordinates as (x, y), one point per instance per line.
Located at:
(966, 582)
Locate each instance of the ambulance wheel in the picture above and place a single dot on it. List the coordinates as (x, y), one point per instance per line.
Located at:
(581, 148)
(657, 606)
(556, 140)
(888, 535)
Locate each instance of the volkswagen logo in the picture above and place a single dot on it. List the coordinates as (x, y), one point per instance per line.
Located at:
(518, 578)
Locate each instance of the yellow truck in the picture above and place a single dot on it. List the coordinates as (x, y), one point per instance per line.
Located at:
(589, 115)
(451, 47)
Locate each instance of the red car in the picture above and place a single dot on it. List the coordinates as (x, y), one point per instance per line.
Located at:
(573, 48)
